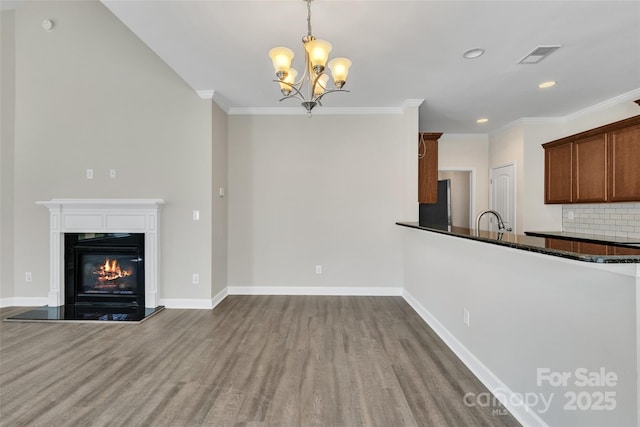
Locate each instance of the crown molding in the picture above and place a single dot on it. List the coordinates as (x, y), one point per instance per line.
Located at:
(411, 103)
(215, 97)
(447, 136)
(221, 102)
(628, 96)
(322, 111)
(205, 94)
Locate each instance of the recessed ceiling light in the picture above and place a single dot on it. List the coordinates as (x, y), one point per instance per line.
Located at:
(482, 120)
(545, 85)
(473, 53)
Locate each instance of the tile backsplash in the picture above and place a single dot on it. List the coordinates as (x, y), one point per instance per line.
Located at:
(608, 219)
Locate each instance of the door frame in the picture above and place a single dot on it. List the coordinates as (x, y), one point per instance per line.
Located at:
(515, 189)
(472, 188)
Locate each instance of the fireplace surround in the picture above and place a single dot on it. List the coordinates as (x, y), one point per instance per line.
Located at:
(111, 218)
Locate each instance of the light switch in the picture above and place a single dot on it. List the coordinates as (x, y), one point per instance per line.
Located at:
(221, 192)
(112, 173)
(196, 215)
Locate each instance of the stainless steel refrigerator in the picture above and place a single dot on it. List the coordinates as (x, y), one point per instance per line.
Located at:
(437, 215)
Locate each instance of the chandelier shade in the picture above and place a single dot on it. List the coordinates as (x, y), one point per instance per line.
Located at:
(312, 85)
(318, 51)
(339, 70)
(288, 81)
(281, 58)
(321, 85)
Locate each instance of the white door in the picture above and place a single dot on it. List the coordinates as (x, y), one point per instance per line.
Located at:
(503, 195)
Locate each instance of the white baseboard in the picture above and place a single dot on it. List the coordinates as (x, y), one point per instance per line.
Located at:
(195, 303)
(238, 290)
(217, 299)
(314, 290)
(24, 301)
(522, 413)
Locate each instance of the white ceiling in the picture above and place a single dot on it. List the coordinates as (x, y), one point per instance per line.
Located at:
(405, 50)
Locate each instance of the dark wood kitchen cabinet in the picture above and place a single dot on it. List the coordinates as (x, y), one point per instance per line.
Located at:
(428, 167)
(560, 244)
(590, 248)
(558, 165)
(590, 169)
(597, 166)
(624, 162)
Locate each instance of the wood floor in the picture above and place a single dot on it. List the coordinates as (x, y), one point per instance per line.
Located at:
(252, 361)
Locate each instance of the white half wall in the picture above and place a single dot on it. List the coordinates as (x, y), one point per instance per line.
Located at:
(530, 311)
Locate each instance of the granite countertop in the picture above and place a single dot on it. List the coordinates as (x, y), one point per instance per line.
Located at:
(565, 246)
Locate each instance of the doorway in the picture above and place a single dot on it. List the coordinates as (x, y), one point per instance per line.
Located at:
(461, 195)
(503, 195)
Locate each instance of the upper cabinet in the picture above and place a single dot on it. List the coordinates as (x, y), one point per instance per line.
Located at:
(558, 164)
(624, 163)
(597, 166)
(590, 169)
(428, 167)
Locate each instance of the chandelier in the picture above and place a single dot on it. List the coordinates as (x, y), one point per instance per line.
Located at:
(312, 86)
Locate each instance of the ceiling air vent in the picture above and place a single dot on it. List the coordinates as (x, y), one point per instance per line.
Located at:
(538, 54)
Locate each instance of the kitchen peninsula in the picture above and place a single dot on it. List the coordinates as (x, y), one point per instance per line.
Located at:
(513, 306)
(555, 244)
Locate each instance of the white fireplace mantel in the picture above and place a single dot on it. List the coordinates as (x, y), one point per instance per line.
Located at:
(104, 216)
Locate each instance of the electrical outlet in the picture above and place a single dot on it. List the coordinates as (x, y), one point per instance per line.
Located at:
(112, 173)
(195, 278)
(28, 277)
(570, 215)
(318, 269)
(466, 317)
(89, 173)
(196, 215)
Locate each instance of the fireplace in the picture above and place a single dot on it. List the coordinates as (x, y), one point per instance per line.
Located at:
(105, 269)
(121, 230)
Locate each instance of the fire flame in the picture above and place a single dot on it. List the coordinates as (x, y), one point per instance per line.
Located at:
(111, 270)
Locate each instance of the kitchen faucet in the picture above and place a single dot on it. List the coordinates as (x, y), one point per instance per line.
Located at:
(501, 225)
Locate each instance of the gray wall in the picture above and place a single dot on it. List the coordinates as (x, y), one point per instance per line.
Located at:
(468, 153)
(7, 143)
(91, 95)
(321, 191)
(460, 197)
(219, 203)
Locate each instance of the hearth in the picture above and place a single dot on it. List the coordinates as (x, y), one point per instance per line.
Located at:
(87, 313)
(104, 269)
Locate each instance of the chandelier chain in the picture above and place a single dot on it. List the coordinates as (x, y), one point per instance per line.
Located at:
(309, 18)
